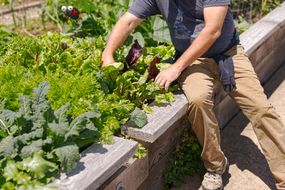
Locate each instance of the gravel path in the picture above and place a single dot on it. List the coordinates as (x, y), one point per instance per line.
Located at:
(248, 168)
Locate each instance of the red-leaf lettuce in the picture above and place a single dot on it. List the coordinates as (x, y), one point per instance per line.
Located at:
(152, 69)
(133, 55)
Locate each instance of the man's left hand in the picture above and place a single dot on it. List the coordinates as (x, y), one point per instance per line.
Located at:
(166, 77)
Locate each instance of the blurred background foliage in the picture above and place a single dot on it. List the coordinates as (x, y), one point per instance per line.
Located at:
(98, 14)
(247, 12)
(98, 18)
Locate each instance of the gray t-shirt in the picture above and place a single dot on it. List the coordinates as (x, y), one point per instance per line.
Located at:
(185, 20)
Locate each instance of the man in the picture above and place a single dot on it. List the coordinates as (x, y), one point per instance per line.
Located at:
(205, 39)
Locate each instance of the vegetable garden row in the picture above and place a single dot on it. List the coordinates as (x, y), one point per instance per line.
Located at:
(56, 100)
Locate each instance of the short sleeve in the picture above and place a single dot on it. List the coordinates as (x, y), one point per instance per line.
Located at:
(213, 3)
(144, 8)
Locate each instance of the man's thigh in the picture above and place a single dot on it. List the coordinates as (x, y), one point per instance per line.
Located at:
(198, 80)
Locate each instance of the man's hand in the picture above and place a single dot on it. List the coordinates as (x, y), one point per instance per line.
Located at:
(107, 60)
(166, 77)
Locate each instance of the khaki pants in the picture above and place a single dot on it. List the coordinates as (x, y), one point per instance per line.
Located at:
(198, 81)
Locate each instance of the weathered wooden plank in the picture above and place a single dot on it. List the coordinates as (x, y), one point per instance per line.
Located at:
(276, 80)
(275, 56)
(274, 42)
(155, 178)
(97, 164)
(159, 121)
(130, 176)
(166, 142)
(262, 30)
(159, 154)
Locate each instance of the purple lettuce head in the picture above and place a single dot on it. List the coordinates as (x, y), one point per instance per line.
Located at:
(133, 55)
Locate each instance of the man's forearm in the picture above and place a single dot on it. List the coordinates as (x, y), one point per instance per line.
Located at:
(214, 20)
(119, 34)
(200, 45)
(117, 37)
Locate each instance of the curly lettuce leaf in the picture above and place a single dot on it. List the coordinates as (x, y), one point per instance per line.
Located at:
(38, 167)
(165, 98)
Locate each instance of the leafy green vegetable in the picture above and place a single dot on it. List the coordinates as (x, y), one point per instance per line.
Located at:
(56, 100)
(7, 147)
(10, 171)
(68, 156)
(139, 118)
(141, 152)
(99, 17)
(165, 98)
(28, 174)
(36, 133)
(38, 167)
(185, 161)
(163, 66)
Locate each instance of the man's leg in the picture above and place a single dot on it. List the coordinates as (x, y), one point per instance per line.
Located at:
(267, 125)
(197, 82)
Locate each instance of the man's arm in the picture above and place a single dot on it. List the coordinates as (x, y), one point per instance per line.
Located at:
(125, 25)
(214, 19)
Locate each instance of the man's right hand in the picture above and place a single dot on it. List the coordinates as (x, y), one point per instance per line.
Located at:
(107, 60)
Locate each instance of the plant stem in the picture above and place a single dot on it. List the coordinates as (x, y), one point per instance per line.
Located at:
(11, 7)
(5, 127)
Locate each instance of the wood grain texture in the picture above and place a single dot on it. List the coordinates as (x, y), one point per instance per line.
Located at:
(97, 164)
(130, 176)
(155, 178)
(160, 152)
(166, 143)
(162, 118)
(274, 49)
